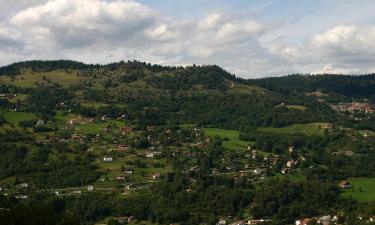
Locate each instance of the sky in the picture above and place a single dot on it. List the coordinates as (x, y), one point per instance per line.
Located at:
(249, 38)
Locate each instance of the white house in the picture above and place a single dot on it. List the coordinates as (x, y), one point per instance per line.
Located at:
(107, 158)
(128, 171)
(121, 177)
(290, 163)
(24, 185)
(150, 155)
(222, 222)
(40, 122)
(156, 176)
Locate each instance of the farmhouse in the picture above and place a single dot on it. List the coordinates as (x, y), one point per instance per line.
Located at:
(121, 220)
(131, 187)
(128, 171)
(126, 130)
(24, 185)
(260, 221)
(40, 122)
(303, 221)
(152, 154)
(345, 184)
(122, 148)
(107, 158)
(325, 220)
(121, 177)
(291, 163)
(21, 196)
(328, 126)
(156, 176)
(108, 128)
(222, 222)
(73, 121)
(285, 170)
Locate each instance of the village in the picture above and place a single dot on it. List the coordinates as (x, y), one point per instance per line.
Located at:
(130, 160)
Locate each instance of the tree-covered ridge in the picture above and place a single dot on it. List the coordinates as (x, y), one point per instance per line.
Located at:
(348, 85)
(213, 77)
(41, 65)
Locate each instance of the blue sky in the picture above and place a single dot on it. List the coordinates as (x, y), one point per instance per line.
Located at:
(250, 38)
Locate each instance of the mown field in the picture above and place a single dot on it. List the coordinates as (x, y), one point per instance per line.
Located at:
(363, 189)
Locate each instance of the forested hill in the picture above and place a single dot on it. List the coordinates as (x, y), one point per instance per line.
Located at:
(359, 86)
(348, 85)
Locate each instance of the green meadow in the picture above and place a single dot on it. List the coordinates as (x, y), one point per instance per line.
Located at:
(29, 79)
(14, 118)
(363, 189)
(232, 143)
(96, 127)
(297, 107)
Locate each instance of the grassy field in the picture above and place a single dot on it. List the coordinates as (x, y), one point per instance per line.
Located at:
(29, 79)
(295, 176)
(98, 127)
(234, 143)
(19, 97)
(63, 118)
(15, 117)
(297, 107)
(94, 104)
(307, 129)
(112, 169)
(363, 189)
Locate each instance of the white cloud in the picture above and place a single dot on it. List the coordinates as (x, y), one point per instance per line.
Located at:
(111, 30)
(346, 40)
(72, 24)
(330, 69)
(102, 31)
(343, 49)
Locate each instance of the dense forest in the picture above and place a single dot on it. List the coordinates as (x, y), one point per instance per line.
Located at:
(350, 86)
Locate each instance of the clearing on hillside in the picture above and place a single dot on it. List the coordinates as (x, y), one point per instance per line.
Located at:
(363, 189)
(233, 142)
(307, 129)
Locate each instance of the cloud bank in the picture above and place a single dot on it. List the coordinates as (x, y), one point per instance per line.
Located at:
(99, 31)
